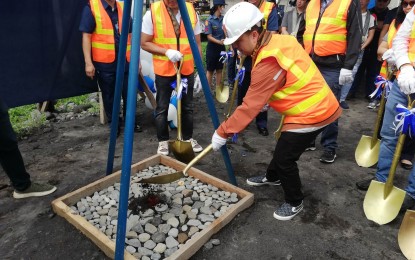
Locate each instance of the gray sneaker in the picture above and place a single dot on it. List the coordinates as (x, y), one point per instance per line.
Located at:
(287, 211)
(35, 190)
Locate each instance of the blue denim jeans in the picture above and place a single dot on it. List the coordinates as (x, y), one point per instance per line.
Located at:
(390, 139)
(329, 134)
(346, 87)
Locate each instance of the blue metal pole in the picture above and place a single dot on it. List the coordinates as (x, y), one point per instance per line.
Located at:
(205, 85)
(129, 127)
(119, 80)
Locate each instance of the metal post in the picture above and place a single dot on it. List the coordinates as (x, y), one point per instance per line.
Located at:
(129, 125)
(205, 86)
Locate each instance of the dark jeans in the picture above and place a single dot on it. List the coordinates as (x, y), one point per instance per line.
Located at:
(408, 149)
(10, 158)
(262, 117)
(283, 165)
(164, 91)
(330, 133)
(106, 81)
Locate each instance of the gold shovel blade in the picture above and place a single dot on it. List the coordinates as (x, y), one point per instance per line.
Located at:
(379, 209)
(365, 154)
(182, 150)
(222, 94)
(163, 179)
(406, 235)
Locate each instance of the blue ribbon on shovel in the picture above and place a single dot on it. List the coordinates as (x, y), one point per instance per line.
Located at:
(381, 83)
(224, 56)
(405, 120)
(182, 88)
(240, 75)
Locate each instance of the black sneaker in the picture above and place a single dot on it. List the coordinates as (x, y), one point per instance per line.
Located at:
(364, 185)
(408, 203)
(287, 211)
(344, 105)
(328, 157)
(263, 131)
(311, 147)
(35, 190)
(261, 180)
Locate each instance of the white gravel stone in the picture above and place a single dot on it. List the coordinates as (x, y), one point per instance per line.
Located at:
(171, 242)
(150, 228)
(173, 232)
(131, 249)
(160, 248)
(149, 244)
(144, 237)
(174, 222)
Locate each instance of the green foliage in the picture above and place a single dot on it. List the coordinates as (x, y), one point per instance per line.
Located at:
(25, 119)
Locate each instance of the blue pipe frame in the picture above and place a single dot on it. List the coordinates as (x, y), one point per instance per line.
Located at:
(131, 108)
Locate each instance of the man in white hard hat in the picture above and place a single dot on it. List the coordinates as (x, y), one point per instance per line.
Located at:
(283, 76)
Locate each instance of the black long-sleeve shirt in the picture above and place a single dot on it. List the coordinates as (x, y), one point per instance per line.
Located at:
(354, 40)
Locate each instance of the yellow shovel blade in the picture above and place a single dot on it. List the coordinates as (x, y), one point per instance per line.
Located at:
(378, 209)
(222, 94)
(406, 235)
(182, 150)
(365, 154)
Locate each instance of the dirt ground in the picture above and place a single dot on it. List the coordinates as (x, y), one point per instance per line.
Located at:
(72, 154)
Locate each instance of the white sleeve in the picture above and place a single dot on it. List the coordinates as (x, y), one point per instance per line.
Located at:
(147, 26)
(401, 41)
(197, 30)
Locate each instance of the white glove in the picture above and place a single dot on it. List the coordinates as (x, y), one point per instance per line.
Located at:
(217, 142)
(389, 56)
(197, 87)
(265, 108)
(406, 80)
(173, 55)
(346, 76)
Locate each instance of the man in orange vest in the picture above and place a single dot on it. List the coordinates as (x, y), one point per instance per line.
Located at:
(284, 77)
(331, 34)
(101, 30)
(163, 35)
(271, 24)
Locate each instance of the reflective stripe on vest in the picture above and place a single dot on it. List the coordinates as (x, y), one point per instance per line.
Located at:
(102, 39)
(165, 37)
(411, 46)
(330, 32)
(305, 98)
(266, 8)
(391, 35)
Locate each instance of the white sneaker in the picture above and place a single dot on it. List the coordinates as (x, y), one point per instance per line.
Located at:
(163, 148)
(196, 147)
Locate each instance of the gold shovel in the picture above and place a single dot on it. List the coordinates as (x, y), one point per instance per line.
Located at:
(367, 150)
(181, 149)
(222, 91)
(383, 200)
(406, 235)
(167, 178)
(235, 87)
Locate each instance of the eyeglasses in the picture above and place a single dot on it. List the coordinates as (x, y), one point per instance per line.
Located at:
(405, 4)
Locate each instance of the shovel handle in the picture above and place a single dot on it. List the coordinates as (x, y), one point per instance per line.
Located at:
(396, 157)
(277, 132)
(179, 100)
(378, 119)
(197, 158)
(235, 87)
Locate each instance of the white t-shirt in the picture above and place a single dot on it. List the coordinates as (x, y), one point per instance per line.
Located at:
(371, 22)
(147, 26)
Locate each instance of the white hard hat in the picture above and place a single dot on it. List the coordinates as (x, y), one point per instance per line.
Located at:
(239, 19)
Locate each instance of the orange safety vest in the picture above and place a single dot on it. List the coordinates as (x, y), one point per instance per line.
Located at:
(165, 37)
(266, 8)
(326, 35)
(411, 47)
(305, 99)
(391, 35)
(102, 39)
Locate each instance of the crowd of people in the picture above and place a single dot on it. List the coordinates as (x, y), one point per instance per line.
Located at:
(302, 63)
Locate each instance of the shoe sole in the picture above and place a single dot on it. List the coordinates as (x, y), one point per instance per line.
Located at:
(17, 195)
(310, 149)
(276, 216)
(198, 150)
(328, 161)
(161, 153)
(262, 184)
